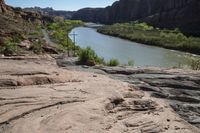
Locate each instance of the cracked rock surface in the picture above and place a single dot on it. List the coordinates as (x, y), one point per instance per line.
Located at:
(179, 88)
(38, 96)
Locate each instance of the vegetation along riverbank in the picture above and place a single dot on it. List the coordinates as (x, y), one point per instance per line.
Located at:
(59, 34)
(59, 31)
(146, 34)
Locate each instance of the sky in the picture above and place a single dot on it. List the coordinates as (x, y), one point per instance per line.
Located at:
(70, 5)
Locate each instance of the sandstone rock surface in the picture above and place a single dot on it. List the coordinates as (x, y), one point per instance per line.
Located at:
(179, 88)
(38, 96)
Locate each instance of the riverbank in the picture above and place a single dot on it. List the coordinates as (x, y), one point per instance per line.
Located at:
(143, 33)
(58, 33)
(38, 96)
(109, 47)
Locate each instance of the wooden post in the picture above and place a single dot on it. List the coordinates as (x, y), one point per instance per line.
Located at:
(74, 40)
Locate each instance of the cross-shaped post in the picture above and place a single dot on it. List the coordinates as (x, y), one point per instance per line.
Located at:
(74, 37)
(74, 40)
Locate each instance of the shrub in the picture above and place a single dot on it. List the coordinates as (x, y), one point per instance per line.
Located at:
(181, 37)
(130, 62)
(195, 64)
(88, 55)
(53, 26)
(34, 33)
(17, 38)
(143, 26)
(73, 22)
(9, 47)
(113, 62)
(37, 47)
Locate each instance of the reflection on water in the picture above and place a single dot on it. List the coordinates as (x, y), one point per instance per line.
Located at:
(143, 55)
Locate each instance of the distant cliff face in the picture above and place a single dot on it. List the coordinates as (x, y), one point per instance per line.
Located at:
(16, 21)
(184, 14)
(33, 17)
(51, 12)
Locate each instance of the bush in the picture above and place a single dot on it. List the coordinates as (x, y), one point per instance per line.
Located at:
(195, 64)
(37, 47)
(9, 47)
(130, 62)
(88, 55)
(53, 26)
(113, 62)
(73, 22)
(142, 26)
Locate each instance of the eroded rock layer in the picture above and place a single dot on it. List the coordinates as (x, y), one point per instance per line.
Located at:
(180, 88)
(38, 96)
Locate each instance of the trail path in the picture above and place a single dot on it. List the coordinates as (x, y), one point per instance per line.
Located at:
(47, 38)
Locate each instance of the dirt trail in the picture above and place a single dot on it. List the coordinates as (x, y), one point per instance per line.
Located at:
(47, 38)
(38, 96)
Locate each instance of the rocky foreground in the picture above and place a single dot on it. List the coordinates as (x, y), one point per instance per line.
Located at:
(38, 96)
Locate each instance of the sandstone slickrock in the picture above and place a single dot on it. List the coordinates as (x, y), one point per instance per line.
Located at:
(182, 14)
(77, 102)
(180, 88)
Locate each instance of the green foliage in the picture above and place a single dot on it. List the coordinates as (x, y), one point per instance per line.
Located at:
(73, 22)
(113, 62)
(88, 55)
(9, 47)
(34, 33)
(53, 26)
(195, 64)
(142, 26)
(66, 25)
(37, 47)
(171, 36)
(146, 34)
(130, 62)
(17, 38)
(59, 34)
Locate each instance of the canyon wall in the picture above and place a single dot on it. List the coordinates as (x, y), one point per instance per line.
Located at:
(182, 14)
(34, 17)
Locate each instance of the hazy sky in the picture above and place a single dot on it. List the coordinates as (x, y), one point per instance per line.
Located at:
(60, 4)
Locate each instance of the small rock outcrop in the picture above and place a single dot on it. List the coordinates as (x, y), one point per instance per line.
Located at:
(1, 5)
(4, 8)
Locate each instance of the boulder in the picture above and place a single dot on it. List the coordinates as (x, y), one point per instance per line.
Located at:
(25, 44)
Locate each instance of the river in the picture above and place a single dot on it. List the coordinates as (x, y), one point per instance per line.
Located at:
(143, 55)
